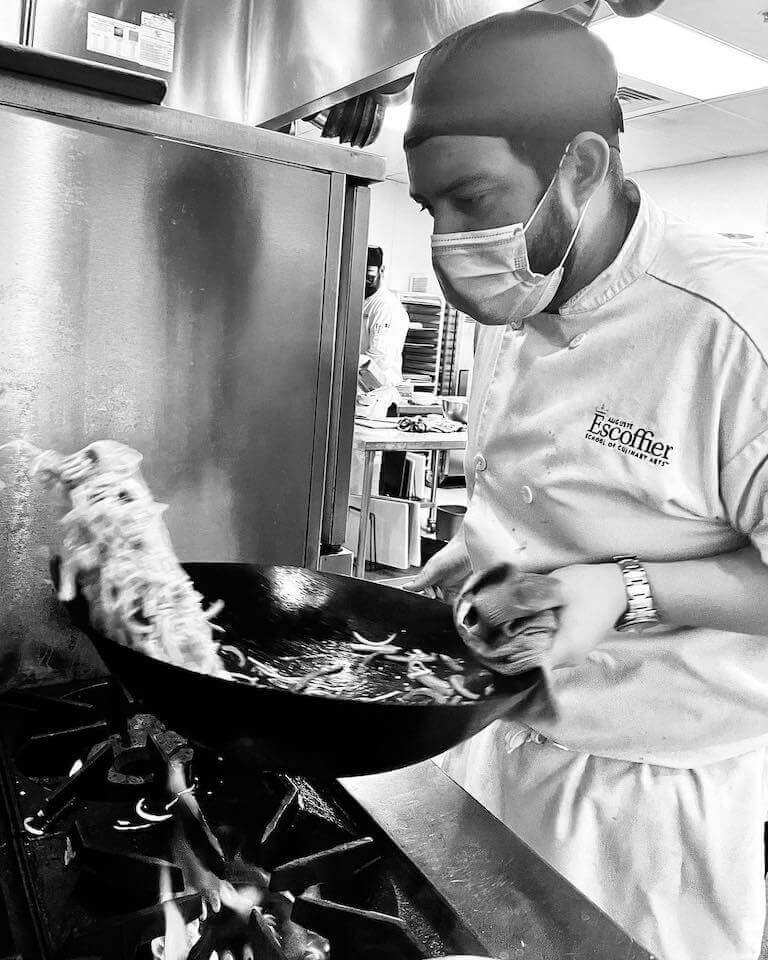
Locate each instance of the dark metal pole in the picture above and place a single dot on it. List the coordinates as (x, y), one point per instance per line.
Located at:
(27, 26)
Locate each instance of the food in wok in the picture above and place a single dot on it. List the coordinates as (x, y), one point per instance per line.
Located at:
(117, 554)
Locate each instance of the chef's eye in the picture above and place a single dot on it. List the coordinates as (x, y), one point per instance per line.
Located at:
(466, 202)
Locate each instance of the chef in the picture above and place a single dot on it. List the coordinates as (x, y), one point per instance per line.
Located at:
(385, 325)
(618, 441)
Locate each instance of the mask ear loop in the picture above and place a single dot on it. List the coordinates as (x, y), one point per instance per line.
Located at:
(579, 222)
(549, 187)
(582, 215)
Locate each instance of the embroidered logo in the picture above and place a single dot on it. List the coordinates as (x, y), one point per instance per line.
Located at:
(622, 435)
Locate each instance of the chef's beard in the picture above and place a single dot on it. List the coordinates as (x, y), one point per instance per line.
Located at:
(551, 236)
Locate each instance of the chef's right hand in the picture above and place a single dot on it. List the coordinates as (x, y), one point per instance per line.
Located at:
(444, 574)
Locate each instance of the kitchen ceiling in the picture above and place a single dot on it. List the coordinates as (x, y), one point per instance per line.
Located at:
(680, 129)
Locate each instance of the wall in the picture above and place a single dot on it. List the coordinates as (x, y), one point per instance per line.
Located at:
(10, 20)
(726, 196)
(402, 231)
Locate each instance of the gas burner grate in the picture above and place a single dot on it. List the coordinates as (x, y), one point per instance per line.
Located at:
(104, 811)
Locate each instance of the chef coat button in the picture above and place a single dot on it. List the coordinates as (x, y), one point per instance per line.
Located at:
(578, 339)
(480, 463)
(516, 324)
(527, 494)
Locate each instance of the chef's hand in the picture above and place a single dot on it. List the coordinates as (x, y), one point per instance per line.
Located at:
(443, 574)
(593, 599)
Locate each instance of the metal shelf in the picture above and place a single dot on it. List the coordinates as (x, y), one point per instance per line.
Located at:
(423, 350)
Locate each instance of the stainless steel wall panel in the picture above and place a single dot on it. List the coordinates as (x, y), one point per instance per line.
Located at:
(170, 297)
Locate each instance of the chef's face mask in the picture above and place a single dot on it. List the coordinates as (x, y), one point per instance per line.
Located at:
(487, 275)
(372, 278)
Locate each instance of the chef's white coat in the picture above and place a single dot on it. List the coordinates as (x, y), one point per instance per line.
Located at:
(636, 422)
(385, 327)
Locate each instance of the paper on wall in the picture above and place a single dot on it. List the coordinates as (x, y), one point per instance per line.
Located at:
(157, 41)
(113, 38)
(150, 43)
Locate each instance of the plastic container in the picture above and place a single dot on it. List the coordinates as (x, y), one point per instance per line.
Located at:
(449, 520)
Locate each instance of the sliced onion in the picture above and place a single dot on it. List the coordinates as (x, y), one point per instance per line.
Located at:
(238, 654)
(424, 696)
(172, 803)
(373, 643)
(152, 817)
(458, 685)
(368, 648)
(35, 831)
(214, 610)
(451, 662)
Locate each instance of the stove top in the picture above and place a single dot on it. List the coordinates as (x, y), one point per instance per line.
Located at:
(114, 829)
(113, 820)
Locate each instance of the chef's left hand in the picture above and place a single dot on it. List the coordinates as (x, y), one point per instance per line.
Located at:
(593, 599)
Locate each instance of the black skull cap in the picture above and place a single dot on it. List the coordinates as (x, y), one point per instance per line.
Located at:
(527, 75)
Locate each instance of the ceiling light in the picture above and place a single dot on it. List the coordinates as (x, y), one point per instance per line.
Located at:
(679, 58)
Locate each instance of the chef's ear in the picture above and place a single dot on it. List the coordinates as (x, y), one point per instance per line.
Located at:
(585, 164)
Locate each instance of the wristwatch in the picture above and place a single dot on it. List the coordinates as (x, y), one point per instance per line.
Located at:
(640, 613)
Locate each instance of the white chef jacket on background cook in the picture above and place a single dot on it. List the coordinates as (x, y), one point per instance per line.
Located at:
(635, 421)
(385, 327)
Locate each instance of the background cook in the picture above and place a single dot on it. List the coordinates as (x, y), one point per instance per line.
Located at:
(385, 327)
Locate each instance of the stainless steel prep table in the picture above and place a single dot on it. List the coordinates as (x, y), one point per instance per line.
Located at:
(372, 441)
(513, 904)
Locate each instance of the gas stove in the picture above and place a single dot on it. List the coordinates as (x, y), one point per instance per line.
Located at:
(114, 830)
(99, 830)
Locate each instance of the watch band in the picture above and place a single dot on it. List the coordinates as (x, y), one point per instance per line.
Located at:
(641, 612)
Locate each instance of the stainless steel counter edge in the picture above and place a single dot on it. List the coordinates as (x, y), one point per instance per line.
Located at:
(42, 96)
(515, 904)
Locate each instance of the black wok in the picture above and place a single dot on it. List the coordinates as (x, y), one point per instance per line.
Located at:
(278, 612)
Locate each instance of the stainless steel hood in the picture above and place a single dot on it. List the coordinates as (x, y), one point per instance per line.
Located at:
(270, 62)
(332, 51)
(338, 50)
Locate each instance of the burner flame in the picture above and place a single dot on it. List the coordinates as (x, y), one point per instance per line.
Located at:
(179, 937)
(217, 894)
(241, 919)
